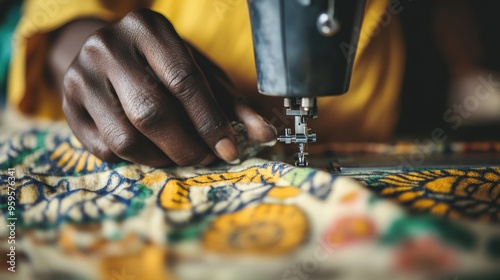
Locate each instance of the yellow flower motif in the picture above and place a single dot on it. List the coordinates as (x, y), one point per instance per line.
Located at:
(267, 229)
(71, 155)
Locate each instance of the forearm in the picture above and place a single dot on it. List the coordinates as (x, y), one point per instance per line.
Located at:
(66, 44)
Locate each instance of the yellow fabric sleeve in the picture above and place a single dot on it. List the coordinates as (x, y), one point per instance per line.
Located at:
(28, 89)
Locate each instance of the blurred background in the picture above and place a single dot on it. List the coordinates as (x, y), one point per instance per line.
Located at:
(449, 43)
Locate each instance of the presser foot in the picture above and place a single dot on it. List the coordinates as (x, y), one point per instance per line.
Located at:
(301, 156)
(301, 109)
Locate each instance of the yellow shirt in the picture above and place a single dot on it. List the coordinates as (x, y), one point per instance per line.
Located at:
(221, 30)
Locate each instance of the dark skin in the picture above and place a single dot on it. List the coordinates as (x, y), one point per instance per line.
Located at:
(136, 91)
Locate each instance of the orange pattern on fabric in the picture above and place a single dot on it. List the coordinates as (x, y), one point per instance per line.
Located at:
(267, 229)
(283, 192)
(148, 263)
(350, 229)
(350, 197)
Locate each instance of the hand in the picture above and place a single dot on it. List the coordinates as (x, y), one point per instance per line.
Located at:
(138, 92)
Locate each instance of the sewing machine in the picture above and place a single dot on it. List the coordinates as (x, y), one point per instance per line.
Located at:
(304, 49)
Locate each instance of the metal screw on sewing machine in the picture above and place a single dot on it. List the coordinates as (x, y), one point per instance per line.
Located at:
(327, 24)
(287, 103)
(306, 103)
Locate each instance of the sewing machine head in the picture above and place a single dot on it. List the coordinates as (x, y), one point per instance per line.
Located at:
(304, 49)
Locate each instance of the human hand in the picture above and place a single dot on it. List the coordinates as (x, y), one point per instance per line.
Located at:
(138, 92)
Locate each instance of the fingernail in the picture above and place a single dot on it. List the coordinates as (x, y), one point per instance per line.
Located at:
(207, 160)
(226, 150)
(235, 162)
(270, 143)
(272, 133)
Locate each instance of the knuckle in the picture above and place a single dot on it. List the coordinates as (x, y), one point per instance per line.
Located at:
(70, 84)
(143, 19)
(121, 142)
(93, 45)
(97, 47)
(79, 84)
(209, 125)
(137, 16)
(145, 115)
(184, 79)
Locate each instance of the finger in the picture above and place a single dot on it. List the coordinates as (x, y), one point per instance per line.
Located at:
(158, 116)
(258, 129)
(170, 59)
(119, 134)
(83, 126)
(223, 89)
(95, 95)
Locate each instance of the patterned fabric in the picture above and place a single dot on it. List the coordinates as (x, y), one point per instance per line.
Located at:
(469, 193)
(81, 218)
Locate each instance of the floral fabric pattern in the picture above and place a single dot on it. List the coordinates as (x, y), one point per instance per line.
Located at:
(262, 219)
